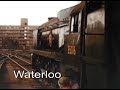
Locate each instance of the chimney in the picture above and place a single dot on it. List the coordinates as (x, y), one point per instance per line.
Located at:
(51, 18)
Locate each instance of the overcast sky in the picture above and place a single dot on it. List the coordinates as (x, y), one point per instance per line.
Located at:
(37, 12)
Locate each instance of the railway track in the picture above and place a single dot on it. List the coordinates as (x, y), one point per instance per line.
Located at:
(18, 61)
(21, 62)
(16, 64)
(26, 56)
(2, 60)
(22, 54)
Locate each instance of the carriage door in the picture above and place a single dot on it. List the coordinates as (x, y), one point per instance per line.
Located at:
(94, 49)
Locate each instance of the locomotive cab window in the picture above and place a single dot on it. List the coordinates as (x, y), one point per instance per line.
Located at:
(76, 22)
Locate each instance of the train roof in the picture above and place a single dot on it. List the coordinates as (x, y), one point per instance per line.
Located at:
(77, 8)
(52, 24)
(66, 13)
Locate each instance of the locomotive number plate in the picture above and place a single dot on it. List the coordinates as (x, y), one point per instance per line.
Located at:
(71, 50)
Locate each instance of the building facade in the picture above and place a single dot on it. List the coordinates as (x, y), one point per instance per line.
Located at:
(17, 36)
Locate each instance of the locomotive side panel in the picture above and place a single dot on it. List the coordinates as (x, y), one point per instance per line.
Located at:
(95, 49)
(35, 39)
(94, 35)
(44, 40)
(53, 40)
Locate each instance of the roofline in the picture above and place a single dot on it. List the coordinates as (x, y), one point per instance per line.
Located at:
(71, 10)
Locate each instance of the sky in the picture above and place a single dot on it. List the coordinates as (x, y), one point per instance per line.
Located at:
(37, 12)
